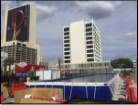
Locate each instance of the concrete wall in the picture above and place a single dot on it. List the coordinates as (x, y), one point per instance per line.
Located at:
(77, 42)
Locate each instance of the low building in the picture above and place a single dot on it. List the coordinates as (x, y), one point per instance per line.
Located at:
(52, 64)
(88, 66)
(134, 64)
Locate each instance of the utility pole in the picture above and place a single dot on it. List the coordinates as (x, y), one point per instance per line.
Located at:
(59, 63)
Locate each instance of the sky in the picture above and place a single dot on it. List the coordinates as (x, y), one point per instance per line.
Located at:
(116, 20)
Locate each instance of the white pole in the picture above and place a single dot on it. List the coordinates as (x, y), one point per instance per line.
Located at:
(95, 90)
(86, 91)
(95, 86)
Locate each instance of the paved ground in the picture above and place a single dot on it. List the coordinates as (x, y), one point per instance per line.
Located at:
(9, 100)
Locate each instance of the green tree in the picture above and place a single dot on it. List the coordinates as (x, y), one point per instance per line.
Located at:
(122, 63)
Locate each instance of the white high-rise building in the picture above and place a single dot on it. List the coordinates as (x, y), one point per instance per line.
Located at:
(19, 39)
(81, 43)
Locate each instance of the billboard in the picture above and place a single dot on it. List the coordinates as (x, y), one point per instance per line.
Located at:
(18, 24)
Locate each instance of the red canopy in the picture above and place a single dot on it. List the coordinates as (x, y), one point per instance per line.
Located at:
(27, 68)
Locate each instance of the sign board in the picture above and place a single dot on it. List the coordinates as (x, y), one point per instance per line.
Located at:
(22, 64)
(18, 24)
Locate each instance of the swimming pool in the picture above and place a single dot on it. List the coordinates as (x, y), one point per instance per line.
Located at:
(95, 86)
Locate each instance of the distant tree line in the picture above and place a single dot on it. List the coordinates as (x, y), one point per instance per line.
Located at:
(122, 63)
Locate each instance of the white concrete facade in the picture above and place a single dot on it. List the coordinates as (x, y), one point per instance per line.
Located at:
(77, 43)
(81, 43)
(12, 48)
(31, 45)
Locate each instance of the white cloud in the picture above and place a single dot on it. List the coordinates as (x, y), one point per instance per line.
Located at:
(118, 3)
(96, 9)
(129, 34)
(6, 3)
(43, 11)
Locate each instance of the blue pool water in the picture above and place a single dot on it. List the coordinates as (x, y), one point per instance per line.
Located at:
(99, 77)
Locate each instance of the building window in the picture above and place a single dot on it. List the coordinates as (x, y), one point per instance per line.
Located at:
(88, 25)
(90, 55)
(67, 37)
(66, 45)
(89, 29)
(66, 41)
(89, 60)
(66, 49)
(67, 61)
(89, 51)
(67, 33)
(89, 46)
(67, 53)
(67, 57)
(24, 45)
(18, 43)
(88, 38)
(89, 42)
(88, 34)
(66, 29)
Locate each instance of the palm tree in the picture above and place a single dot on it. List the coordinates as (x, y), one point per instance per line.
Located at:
(11, 61)
(5, 63)
(8, 61)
